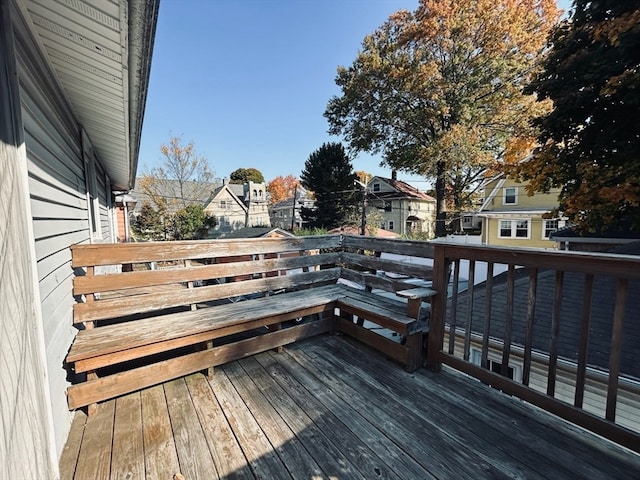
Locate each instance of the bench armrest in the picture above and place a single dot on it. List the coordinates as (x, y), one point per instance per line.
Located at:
(416, 293)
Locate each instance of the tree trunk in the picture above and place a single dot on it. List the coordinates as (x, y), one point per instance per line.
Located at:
(440, 199)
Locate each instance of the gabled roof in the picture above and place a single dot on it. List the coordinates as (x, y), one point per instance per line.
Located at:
(100, 53)
(217, 193)
(402, 188)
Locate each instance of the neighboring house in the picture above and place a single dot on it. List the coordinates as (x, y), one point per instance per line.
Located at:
(73, 85)
(405, 209)
(600, 331)
(238, 206)
(257, 232)
(175, 194)
(512, 218)
(281, 214)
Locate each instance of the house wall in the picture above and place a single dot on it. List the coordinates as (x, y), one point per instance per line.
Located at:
(57, 161)
(523, 201)
(26, 438)
(234, 211)
(490, 233)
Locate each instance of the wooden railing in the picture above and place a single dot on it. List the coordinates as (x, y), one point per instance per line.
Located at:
(549, 324)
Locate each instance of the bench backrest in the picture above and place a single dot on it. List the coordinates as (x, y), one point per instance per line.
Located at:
(120, 280)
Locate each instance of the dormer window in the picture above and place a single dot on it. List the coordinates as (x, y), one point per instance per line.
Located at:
(376, 187)
(510, 196)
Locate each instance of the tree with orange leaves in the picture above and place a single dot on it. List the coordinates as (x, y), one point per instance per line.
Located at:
(439, 93)
(281, 188)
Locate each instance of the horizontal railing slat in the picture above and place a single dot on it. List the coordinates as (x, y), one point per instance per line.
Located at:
(124, 253)
(123, 306)
(412, 248)
(128, 280)
(424, 272)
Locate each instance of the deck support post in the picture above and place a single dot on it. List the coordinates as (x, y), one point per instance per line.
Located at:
(437, 319)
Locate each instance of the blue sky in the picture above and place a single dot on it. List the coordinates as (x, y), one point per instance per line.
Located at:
(248, 80)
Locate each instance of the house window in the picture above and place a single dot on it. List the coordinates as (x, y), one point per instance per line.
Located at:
(513, 229)
(225, 205)
(510, 196)
(549, 227)
(387, 206)
(494, 364)
(390, 225)
(376, 187)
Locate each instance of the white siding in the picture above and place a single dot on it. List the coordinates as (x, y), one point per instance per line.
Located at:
(26, 449)
(58, 193)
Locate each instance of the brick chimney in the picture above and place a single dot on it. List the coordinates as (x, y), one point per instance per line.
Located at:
(394, 175)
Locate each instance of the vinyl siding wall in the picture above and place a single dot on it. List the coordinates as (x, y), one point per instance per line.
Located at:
(58, 194)
(26, 449)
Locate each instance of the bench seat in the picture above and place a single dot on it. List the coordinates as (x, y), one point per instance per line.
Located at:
(107, 345)
(139, 328)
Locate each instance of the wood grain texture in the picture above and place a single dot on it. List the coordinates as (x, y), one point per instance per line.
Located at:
(127, 457)
(160, 455)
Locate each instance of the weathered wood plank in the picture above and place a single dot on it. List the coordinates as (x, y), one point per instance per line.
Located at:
(349, 414)
(71, 450)
(123, 306)
(555, 333)
(257, 449)
(467, 414)
(385, 346)
(128, 280)
(85, 255)
(127, 460)
(94, 460)
(299, 462)
(402, 425)
(135, 379)
(312, 423)
(191, 445)
(413, 248)
(160, 455)
(372, 281)
(626, 266)
(226, 452)
(424, 272)
(616, 348)
(392, 320)
(226, 319)
(583, 347)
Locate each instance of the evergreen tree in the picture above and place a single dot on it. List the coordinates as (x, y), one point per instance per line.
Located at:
(148, 224)
(590, 142)
(328, 173)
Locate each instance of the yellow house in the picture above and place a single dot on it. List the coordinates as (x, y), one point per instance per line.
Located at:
(512, 218)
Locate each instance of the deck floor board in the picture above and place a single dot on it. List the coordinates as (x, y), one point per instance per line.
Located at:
(329, 407)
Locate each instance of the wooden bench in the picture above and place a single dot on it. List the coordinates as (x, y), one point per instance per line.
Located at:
(141, 327)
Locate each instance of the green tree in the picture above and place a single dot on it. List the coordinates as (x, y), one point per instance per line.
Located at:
(243, 175)
(148, 224)
(438, 91)
(191, 222)
(590, 141)
(329, 174)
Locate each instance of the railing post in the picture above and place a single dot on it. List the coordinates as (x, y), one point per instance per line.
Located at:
(438, 307)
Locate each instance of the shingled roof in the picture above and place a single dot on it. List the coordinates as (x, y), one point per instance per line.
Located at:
(404, 189)
(602, 310)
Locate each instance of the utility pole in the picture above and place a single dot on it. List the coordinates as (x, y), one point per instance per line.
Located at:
(363, 224)
(293, 213)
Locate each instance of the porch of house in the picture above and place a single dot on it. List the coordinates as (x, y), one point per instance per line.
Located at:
(330, 407)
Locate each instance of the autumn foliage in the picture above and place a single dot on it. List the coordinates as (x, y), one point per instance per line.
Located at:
(438, 91)
(590, 141)
(282, 188)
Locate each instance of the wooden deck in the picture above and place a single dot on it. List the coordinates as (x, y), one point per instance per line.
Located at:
(329, 407)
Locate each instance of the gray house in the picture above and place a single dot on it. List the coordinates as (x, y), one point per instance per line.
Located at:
(73, 84)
